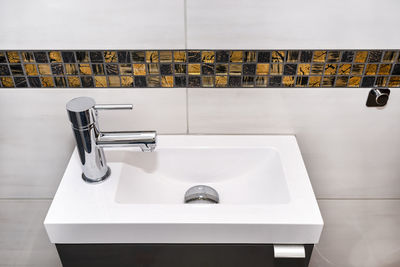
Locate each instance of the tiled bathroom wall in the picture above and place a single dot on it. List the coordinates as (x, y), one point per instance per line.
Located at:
(200, 68)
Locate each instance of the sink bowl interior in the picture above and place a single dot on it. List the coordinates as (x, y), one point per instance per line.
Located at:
(241, 176)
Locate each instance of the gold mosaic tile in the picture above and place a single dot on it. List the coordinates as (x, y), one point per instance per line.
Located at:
(47, 81)
(235, 69)
(344, 69)
(152, 69)
(126, 81)
(314, 81)
(85, 69)
(278, 56)
(194, 69)
(71, 69)
(167, 81)
(384, 69)
(207, 56)
(293, 56)
(304, 69)
(236, 56)
(276, 69)
(30, 69)
(7, 82)
(221, 69)
(126, 69)
(261, 81)
(371, 69)
(180, 56)
(341, 81)
(44, 69)
(319, 56)
(288, 81)
(165, 56)
(317, 69)
(361, 56)
(394, 81)
(354, 81)
(153, 81)
(100, 81)
(138, 56)
(357, 69)
(250, 56)
(13, 57)
(389, 56)
(110, 56)
(207, 81)
(55, 56)
(333, 56)
(328, 81)
(151, 56)
(330, 69)
(221, 81)
(262, 69)
(74, 81)
(140, 69)
(27, 57)
(114, 81)
(381, 81)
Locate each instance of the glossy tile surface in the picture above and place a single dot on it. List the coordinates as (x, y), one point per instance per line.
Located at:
(92, 24)
(38, 141)
(335, 130)
(291, 24)
(359, 233)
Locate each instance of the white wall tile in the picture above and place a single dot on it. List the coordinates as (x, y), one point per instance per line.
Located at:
(292, 24)
(92, 24)
(349, 150)
(23, 239)
(359, 233)
(36, 138)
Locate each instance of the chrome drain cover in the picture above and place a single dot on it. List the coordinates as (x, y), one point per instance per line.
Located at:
(201, 194)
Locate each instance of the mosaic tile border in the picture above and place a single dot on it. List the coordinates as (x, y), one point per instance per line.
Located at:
(200, 68)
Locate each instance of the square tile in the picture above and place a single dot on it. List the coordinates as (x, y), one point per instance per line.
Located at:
(384, 69)
(194, 81)
(194, 69)
(261, 81)
(140, 81)
(68, 57)
(84, 69)
(140, 69)
(179, 56)
(166, 69)
(222, 56)
(71, 69)
(314, 81)
(221, 69)
(126, 81)
(3, 57)
(344, 69)
(319, 56)
(124, 57)
(207, 69)
(20, 82)
(47, 81)
(371, 69)
(306, 56)
(151, 69)
(394, 81)
(389, 56)
(347, 56)
(100, 81)
(354, 81)
(368, 81)
(151, 56)
(333, 56)
(381, 81)
(341, 81)
(167, 81)
(13, 57)
(375, 56)
(221, 81)
(82, 56)
(304, 69)
(263, 57)
(290, 69)
(248, 81)
(30, 69)
(278, 56)
(165, 56)
(358, 69)
(288, 81)
(396, 69)
(250, 56)
(96, 57)
(180, 68)
(110, 57)
(74, 81)
(125, 69)
(207, 81)
(317, 68)
(153, 81)
(236, 56)
(114, 81)
(16, 69)
(328, 81)
(4, 71)
(27, 57)
(207, 56)
(235, 69)
(275, 81)
(87, 82)
(138, 56)
(276, 69)
(98, 69)
(302, 81)
(361, 56)
(292, 56)
(7, 82)
(44, 69)
(262, 69)
(180, 81)
(234, 81)
(194, 56)
(249, 69)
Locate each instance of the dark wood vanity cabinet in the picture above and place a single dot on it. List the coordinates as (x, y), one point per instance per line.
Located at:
(176, 255)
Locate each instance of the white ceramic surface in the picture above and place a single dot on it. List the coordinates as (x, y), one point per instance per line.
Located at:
(92, 24)
(265, 193)
(292, 24)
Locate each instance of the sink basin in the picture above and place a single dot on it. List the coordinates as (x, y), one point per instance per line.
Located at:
(264, 191)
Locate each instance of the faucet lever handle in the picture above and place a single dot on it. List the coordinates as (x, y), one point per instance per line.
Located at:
(113, 106)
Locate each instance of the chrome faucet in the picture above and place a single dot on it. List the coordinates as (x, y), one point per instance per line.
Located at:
(82, 112)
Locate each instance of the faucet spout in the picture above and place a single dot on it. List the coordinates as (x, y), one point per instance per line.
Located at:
(145, 140)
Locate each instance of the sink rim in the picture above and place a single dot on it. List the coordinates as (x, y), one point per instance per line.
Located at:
(91, 205)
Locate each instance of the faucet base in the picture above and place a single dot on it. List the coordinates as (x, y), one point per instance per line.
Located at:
(96, 181)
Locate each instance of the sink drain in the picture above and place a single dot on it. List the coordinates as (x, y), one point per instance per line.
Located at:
(201, 194)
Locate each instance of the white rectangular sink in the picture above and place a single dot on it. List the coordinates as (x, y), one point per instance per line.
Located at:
(264, 190)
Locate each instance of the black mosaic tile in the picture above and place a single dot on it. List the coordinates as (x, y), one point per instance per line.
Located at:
(16, 69)
(20, 82)
(3, 58)
(368, 81)
(234, 81)
(57, 69)
(207, 69)
(34, 82)
(264, 57)
(222, 56)
(4, 71)
(290, 69)
(140, 81)
(306, 56)
(60, 81)
(375, 56)
(194, 56)
(112, 69)
(180, 81)
(396, 69)
(96, 57)
(347, 56)
(194, 81)
(166, 69)
(82, 56)
(87, 81)
(249, 69)
(275, 81)
(124, 57)
(41, 57)
(68, 57)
